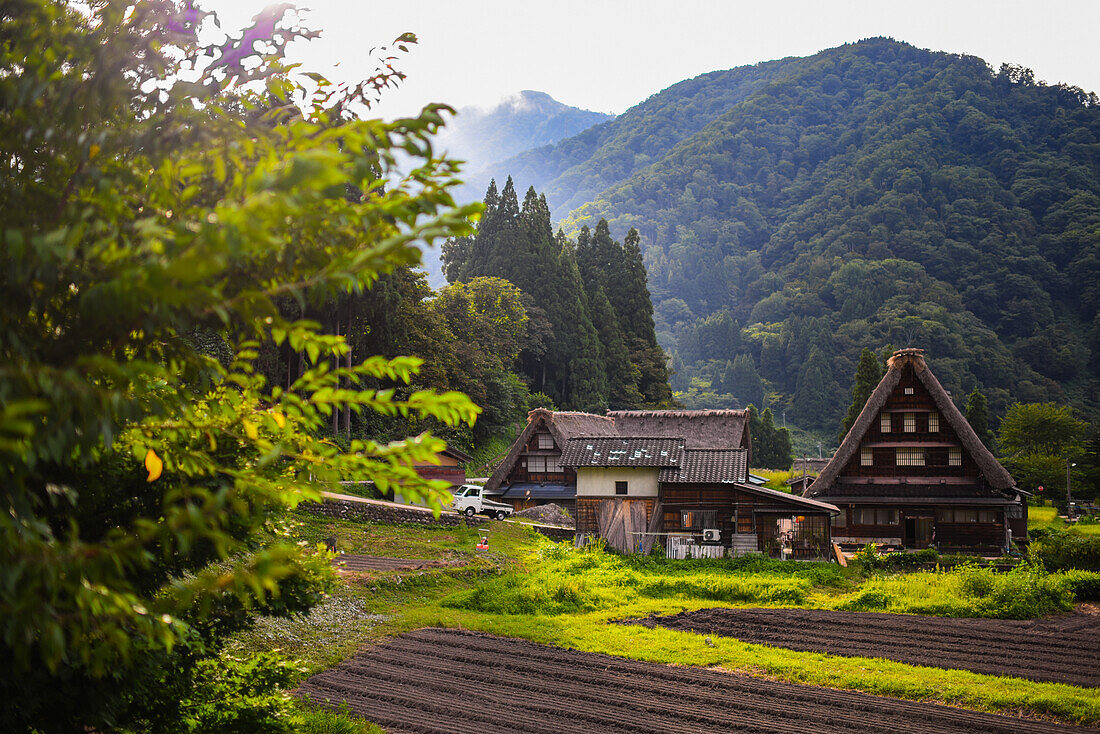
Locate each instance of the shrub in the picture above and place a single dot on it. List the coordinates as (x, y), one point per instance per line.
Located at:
(969, 591)
(1062, 551)
(868, 599)
(757, 590)
(1085, 585)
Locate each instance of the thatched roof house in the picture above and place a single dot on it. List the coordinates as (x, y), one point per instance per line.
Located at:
(911, 472)
(532, 471)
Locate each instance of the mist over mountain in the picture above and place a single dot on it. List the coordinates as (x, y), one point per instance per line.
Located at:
(483, 138)
(874, 194)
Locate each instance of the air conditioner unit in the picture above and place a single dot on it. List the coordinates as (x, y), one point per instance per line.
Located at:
(712, 535)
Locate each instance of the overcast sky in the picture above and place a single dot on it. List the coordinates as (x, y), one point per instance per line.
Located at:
(608, 55)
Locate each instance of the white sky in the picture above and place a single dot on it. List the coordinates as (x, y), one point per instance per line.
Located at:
(608, 55)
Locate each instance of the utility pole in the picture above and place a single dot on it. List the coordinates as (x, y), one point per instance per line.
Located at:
(1069, 497)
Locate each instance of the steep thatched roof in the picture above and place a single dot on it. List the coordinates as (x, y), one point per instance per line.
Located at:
(700, 429)
(995, 474)
(563, 425)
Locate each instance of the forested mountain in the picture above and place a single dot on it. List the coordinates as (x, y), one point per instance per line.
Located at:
(873, 194)
(591, 340)
(577, 169)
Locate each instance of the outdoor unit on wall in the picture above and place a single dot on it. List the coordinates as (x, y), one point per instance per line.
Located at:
(712, 535)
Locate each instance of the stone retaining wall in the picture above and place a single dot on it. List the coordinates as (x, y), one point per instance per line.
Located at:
(555, 533)
(369, 512)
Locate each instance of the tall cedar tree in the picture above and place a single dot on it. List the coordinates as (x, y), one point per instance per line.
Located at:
(596, 258)
(597, 345)
(619, 269)
(771, 446)
(813, 403)
(868, 374)
(977, 415)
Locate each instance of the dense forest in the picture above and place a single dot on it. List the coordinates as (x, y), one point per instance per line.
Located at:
(874, 194)
(591, 340)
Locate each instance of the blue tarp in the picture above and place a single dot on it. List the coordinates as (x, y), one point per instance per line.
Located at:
(537, 491)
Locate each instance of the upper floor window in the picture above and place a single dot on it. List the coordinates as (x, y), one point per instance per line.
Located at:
(908, 391)
(884, 423)
(543, 465)
(910, 457)
(866, 456)
(910, 423)
(546, 441)
(954, 456)
(620, 487)
(933, 422)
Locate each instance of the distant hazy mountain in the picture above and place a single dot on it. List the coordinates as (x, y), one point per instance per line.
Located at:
(523, 121)
(484, 138)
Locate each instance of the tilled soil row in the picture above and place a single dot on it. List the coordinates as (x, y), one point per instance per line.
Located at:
(436, 680)
(1060, 649)
(350, 562)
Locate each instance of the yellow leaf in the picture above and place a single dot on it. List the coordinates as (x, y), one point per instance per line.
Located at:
(154, 465)
(280, 421)
(93, 151)
(250, 429)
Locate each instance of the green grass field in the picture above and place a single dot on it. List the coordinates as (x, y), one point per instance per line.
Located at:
(525, 586)
(1047, 517)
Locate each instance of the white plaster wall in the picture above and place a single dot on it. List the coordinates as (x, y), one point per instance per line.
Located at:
(596, 482)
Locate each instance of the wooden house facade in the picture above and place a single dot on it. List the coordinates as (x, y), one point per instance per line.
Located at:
(448, 466)
(911, 472)
(636, 491)
(532, 473)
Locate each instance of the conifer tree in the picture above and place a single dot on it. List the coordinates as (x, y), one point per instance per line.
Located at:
(977, 415)
(635, 309)
(586, 385)
(868, 374)
(743, 381)
(815, 389)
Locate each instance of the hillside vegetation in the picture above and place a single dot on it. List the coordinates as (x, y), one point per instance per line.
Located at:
(874, 194)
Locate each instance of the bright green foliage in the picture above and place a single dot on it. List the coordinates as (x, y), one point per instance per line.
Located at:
(568, 580)
(1039, 441)
(1060, 551)
(868, 374)
(1041, 428)
(977, 415)
(1023, 593)
(139, 215)
(485, 325)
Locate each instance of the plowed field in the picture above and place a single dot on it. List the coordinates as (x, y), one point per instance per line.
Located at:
(1063, 649)
(436, 680)
(350, 562)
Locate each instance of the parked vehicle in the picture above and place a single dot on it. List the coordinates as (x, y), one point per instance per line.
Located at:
(468, 500)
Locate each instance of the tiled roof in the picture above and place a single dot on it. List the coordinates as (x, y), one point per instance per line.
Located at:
(700, 429)
(708, 465)
(638, 452)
